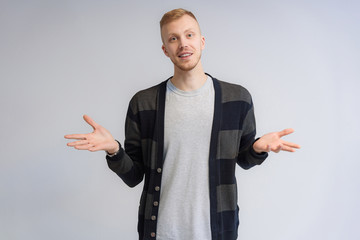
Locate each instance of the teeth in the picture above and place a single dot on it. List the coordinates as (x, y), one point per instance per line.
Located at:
(185, 55)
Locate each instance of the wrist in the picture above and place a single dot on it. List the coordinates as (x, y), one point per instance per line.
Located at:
(256, 148)
(113, 151)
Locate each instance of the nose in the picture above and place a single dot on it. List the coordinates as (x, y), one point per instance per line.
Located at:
(183, 43)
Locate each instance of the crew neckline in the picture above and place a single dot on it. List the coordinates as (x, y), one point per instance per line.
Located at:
(191, 93)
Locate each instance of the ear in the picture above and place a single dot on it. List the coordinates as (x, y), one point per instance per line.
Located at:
(164, 50)
(202, 42)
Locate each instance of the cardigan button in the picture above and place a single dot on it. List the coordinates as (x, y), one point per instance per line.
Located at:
(156, 203)
(159, 170)
(153, 217)
(157, 188)
(153, 234)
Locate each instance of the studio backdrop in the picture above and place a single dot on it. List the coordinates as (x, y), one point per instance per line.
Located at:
(62, 59)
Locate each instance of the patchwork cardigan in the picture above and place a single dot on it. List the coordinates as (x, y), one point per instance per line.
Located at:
(233, 133)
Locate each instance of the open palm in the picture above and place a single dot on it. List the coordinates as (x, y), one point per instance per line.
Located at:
(273, 142)
(99, 139)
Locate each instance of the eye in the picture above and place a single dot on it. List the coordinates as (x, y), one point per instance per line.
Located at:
(190, 35)
(173, 39)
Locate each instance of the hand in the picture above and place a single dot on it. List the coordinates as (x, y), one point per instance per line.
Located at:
(273, 142)
(99, 139)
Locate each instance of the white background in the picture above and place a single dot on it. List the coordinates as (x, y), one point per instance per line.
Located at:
(62, 59)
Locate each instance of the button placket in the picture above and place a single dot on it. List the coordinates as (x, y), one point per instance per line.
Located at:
(155, 201)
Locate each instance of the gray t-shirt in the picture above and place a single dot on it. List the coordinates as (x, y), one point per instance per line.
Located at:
(184, 209)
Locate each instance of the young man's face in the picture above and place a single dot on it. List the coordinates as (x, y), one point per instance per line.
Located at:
(183, 43)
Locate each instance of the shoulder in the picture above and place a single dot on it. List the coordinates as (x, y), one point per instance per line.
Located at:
(145, 99)
(148, 94)
(231, 92)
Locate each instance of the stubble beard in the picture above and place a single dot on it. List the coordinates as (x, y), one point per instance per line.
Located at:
(185, 67)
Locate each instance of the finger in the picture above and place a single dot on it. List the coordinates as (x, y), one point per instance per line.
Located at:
(290, 144)
(90, 121)
(76, 136)
(84, 147)
(287, 149)
(76, 143)
(94, 149)
(285, 132)
(97, 147)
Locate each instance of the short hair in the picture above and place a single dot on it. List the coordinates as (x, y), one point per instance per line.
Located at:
(174, 15)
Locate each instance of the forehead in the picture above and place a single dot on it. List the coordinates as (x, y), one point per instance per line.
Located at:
(180, 25)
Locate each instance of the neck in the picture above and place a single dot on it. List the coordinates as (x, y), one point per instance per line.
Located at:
(189, 80)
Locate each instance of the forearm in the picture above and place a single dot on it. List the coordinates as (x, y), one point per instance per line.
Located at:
(129, 170)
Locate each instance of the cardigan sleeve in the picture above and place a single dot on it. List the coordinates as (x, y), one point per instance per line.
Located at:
(128, 163)
(247, 157)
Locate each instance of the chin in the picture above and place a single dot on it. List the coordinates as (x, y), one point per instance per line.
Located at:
(186, 67)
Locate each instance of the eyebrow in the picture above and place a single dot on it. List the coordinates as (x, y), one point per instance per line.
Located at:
(187, 30)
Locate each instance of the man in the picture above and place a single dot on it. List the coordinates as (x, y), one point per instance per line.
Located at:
(185, 135)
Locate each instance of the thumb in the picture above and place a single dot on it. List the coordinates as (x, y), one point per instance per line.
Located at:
(90, 121)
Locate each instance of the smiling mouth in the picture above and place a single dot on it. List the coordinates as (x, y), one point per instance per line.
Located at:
(185, 55)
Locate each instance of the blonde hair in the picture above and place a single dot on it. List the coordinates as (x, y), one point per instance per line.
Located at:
(174, 15)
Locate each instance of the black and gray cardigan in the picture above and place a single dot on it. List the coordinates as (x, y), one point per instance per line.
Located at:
(232, 136)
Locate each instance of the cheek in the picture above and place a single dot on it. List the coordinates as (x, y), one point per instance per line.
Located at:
(172, 51)
(201, 44)
(167, 50)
